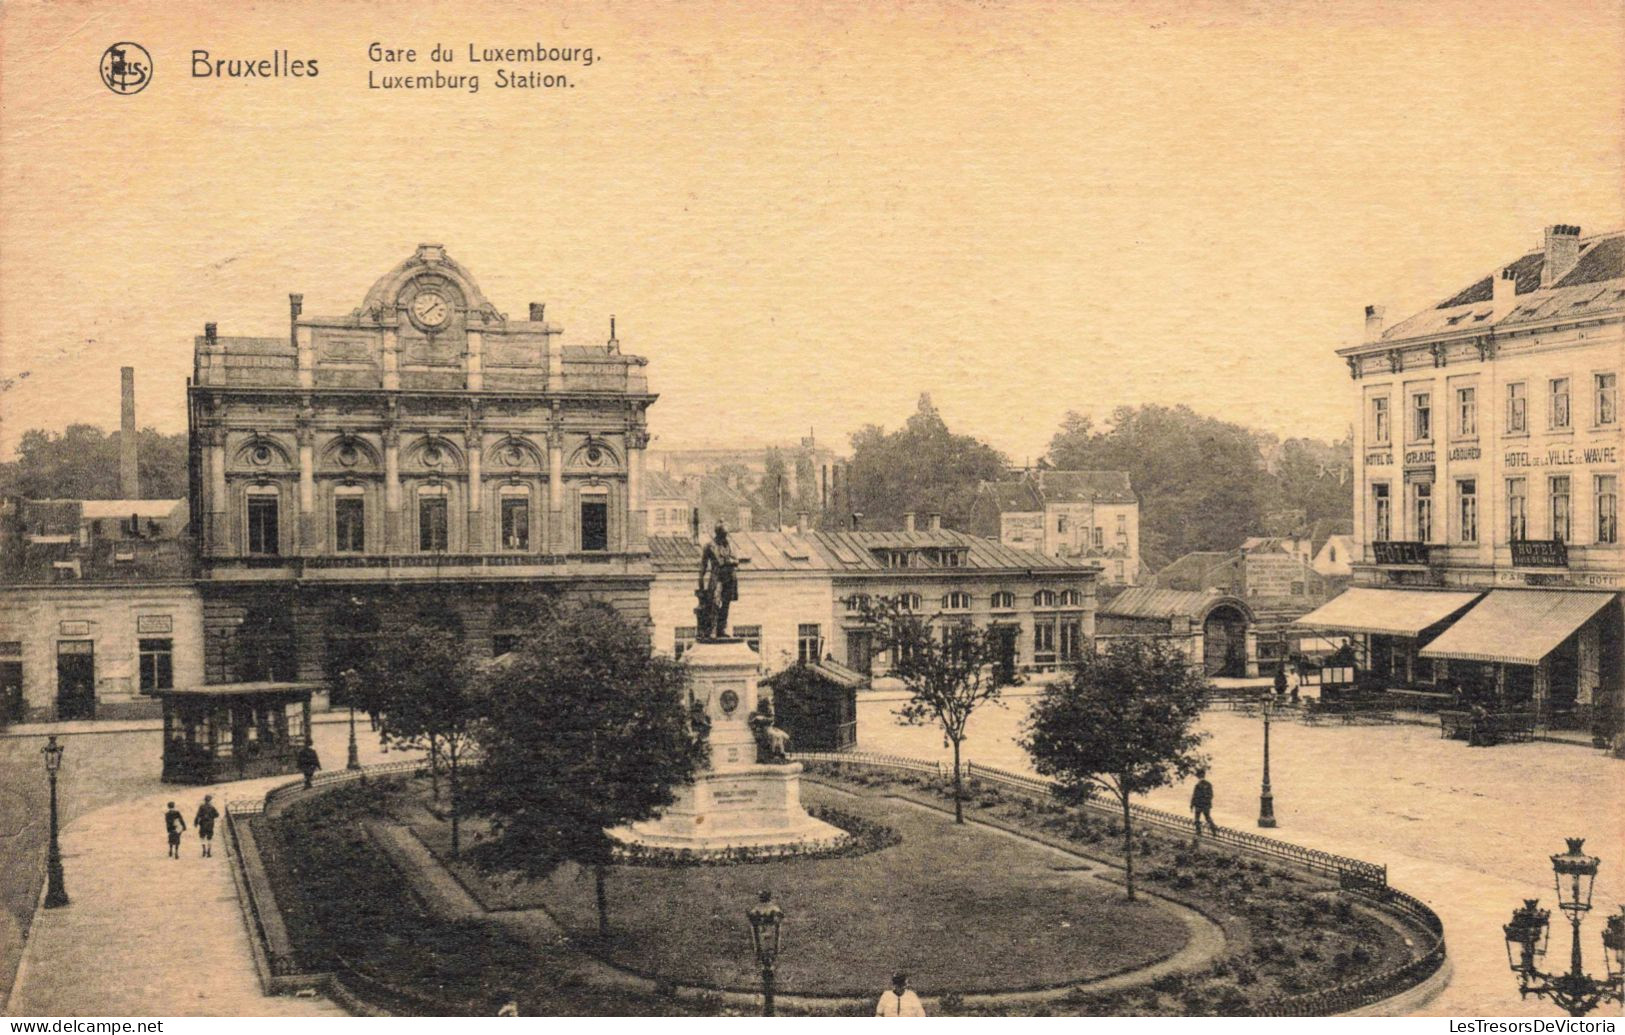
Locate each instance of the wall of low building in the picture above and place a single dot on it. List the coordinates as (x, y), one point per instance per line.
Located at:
(779, 603)
(36, 621)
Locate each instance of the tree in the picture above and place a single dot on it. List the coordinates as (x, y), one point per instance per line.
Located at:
(82, 462)
(585, 730)
(945, 663)
(1121, 723)
(427, 679)
(922, 467)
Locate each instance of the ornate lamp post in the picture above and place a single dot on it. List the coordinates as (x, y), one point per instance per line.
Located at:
(56, 895)
(766, 921)
(1575, 992)
(351, 680)
(1266, 797)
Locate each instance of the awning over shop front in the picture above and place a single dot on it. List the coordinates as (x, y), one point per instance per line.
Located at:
(1517, 626)
(1389, 612)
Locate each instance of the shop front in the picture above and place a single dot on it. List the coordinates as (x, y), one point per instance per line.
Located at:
(1390, 628)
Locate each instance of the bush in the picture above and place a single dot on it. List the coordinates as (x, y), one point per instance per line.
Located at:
(951, 1004)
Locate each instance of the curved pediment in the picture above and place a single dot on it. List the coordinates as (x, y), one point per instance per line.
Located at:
(430, 261)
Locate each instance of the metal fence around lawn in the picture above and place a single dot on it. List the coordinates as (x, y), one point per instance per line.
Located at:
(1350, 873)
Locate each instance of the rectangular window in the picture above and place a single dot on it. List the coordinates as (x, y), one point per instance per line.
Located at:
(1607, 393)
(1071, 640)
(349, 524)
(1467, 510)
(157, 665)
(683, 638)
(1422, 511)
(1422, 417)
(1060, 524)
(1517, 409)
(1560, 507)
(1379, 421)
(1607, 508)
(594, 523)
(432, 528)
(809, 643)
(1517, 508)
(1099, 538)
(1467, 412)
(1122, 524)
(516, 522)
(1382, 514)
(262, 524)
(1044, 641)
(1559, 408)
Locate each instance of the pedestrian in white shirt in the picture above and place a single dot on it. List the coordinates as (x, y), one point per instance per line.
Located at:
(899, 1000)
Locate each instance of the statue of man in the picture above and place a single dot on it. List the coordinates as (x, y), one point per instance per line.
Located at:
(719, 585)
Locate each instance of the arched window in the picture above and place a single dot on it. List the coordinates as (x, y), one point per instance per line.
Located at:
(513, 504)
(855, 602)
(349, 519)
(910, 602)
(1044, 598)
(1004, 600)
(1071, 598)
(433, 520)
(263, 506)
(956, 601)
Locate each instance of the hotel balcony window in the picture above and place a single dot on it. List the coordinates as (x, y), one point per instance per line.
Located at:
(1560, 508)
(1517, 508)
(1559, 405)
(594, 522)
(1467, 412)
(1422, 511)
(514, 503)
(1382, 514)
(349, 520)
(1422, 417)
(1517, 409)
(809, 643)
(432, 519)
(1467, 510)
(1607, 509)
(262, 522)
(1379, 421)
(1607, 392)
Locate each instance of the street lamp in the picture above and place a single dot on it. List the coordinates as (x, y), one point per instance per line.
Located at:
(766, 921)
(1576, 992)
(1266, 797)
(351, 680)
(56, 895)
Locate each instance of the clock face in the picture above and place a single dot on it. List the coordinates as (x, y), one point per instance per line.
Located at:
(430, 309)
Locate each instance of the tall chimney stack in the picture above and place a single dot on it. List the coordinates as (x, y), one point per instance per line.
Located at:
(936, 522)
(1562, 247)
(538, 312)
(129, 472)
(1373, 322)
(1503, 291)
(908, 521)
(296, 305)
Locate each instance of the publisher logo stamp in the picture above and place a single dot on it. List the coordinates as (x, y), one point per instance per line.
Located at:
(126, 68)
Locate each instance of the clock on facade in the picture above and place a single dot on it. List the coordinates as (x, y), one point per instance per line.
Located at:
(430, 309)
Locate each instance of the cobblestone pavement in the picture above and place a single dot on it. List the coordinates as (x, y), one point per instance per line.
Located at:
(146, 935)
(1467, 830)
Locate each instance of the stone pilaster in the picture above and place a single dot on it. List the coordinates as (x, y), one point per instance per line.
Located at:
(473, 439)
(392, 490)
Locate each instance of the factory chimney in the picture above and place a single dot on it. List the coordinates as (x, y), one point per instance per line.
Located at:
(129, 474)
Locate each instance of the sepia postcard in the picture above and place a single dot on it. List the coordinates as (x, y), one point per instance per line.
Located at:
(812, 509)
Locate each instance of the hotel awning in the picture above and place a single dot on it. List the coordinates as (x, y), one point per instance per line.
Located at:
(1517, 627)
(1389, 612)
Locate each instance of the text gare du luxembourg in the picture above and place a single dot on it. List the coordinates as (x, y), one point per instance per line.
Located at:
(505, 78)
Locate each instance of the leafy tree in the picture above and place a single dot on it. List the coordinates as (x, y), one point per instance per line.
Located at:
(586, 730)
(427, 682)
(82, 462)
(945, 663)
(1122, 723)
(921, 467)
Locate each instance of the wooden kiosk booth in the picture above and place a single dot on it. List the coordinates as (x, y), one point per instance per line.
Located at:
(234, 731)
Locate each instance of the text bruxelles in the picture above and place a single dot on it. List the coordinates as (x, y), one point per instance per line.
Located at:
(278, 66)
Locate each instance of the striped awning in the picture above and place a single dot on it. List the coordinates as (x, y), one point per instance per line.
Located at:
(1389, 612)
(1517, 626)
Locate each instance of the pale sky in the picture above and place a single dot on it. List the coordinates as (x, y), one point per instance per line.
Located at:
(806, 214)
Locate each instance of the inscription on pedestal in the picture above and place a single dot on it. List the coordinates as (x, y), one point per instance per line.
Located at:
(735, 794)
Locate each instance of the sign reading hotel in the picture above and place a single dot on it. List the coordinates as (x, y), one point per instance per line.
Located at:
(1394, 551)
(1539, 553)
(1564, 456)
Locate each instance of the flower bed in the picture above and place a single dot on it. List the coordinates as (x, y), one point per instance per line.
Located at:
(859, 837)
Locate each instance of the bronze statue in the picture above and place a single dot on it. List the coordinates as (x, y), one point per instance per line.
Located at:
(772, 743)
(698, 719)
(719, 586)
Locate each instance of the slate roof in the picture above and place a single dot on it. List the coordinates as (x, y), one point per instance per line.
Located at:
(1012, 497)
(1031, 492)
(1139, 602)
(852, 552)
(1595, 285)
(660, 486)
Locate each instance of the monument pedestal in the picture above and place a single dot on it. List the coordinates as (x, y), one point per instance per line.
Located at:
(737, 801)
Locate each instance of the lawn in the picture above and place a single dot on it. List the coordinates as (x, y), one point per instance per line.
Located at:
(960, 908)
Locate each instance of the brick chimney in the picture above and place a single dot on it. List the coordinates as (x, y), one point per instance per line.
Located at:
(803, 522)
(1373, 322)
(936, 522)
(208, 334)
(538, 312)
(296, 305)
(908, 521)
(1562, 253)
(1503, 290)
(129, 472)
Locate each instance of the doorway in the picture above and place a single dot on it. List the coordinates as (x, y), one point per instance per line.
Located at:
(75, 680)
(859, 653)
(1004, 658)
(11, 692)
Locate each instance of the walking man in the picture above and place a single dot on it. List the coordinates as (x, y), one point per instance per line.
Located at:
(1202, 803)
(204, 822)
(308, 762)
(174, 824)
(899, 1000)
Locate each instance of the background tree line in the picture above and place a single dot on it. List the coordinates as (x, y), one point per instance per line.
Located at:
(82, 461)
